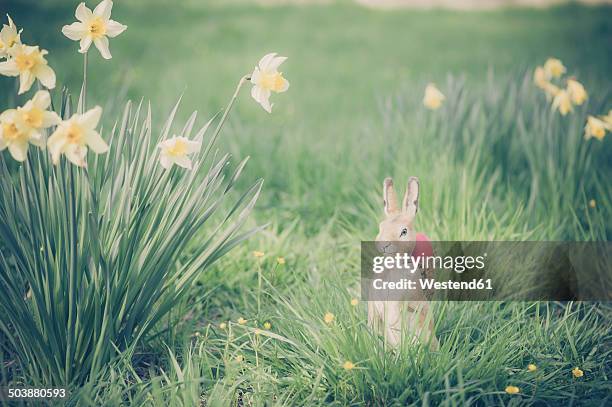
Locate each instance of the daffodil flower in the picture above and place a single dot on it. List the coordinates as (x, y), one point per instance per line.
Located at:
(14, 136)
(175, 151)
(562, 102)
(34, 115)
(74, 136)
(94, 26)
(576, 91)
(9, 36)
(512, 390)
(540, 78)
(266, 79)
(608, 118)
(596, 128)
(433, 97)
(29, 64)
(554, 68)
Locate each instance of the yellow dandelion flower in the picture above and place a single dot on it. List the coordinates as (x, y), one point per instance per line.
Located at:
(328, 318)
(267, 326)
(222, 325)
(512, 390)
(242, 321)
(354, 302)
(348, 365)
(577, 372)
(258, 254)
(592, 203)
(554, 68)
(280, 260)
(531, 367)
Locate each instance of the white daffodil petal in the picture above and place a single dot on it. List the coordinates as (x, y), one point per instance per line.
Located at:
(114, 28)
(263, 62)
(19, 150)
(85, 44)
(37, 139)
(50, 119)
(83, 13)
(75, 31)
(46, 76)
(183, 161)
(96, 143)
(90, 118)
(262, 97)
(275, 63)
(104, 9)
(26, 79)
(3, 143)
(76, 154)
(256, 76)
(102, 45)
(41, 100)
(165, 161)
(9, 68)
(55, 144)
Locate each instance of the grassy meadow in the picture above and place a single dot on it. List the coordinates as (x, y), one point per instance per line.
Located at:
(494, 163)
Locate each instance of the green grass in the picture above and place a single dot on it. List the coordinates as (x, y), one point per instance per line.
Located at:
(494, 163)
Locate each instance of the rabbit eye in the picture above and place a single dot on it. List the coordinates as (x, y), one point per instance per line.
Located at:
(404, 232)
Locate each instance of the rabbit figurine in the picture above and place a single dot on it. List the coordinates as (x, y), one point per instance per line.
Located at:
(412, 315)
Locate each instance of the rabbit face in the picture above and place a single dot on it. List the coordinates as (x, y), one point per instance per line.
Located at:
(396, 232)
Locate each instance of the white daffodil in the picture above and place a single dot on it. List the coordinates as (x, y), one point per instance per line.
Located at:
(562, 102)
(577, 92)
(94, 26)
(29, 64)
(73, 136)
(596, 128)
(9, 36)
(433, 97)
(554, 68)
(266, 79)
(15, 137)
(34, 116)
(175, 151)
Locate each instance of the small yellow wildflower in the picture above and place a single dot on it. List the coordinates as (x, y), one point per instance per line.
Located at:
(592, 203)
(280, 260)
(267, 326)
(531, 367)
(239, 358)
(328, 318)
(577, 372)
(242, 321)
(512, 390)
(222, 325)
(354, 302)
(348, 365)
(433, 97)
(554, 68)
(576, 91)
(595, 128)
(562, 102)
(258, 254)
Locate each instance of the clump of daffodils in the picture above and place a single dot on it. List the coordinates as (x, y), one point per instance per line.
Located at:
(549, 78)
(94, 27)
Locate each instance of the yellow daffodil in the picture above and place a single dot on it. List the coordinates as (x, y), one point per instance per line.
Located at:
(9, 36)
(34, 114)
(540, 78)
(94, 26)
(29, 64)
(554, 68)
(354, 302)
(512, 390)
(576, 91)
(348, 365)
(531, 367)
(175, 150)
(280, 260)
(258, 254)
(14, 136)
(433, 97)
(267, 326)
(595, 128)
(562, 102)
(74, 136)
(242, 321)
(222, 325)
(577, 372)
(266, 79)
(592, 203)
(328, 318)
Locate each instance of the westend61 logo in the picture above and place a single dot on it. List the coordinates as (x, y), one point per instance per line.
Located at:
(480, 271)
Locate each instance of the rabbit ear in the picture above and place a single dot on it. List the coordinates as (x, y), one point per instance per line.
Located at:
(389, 197)
(411, 199)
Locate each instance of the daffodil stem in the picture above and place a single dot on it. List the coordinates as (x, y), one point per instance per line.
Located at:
(243, 80)
(84, 90)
